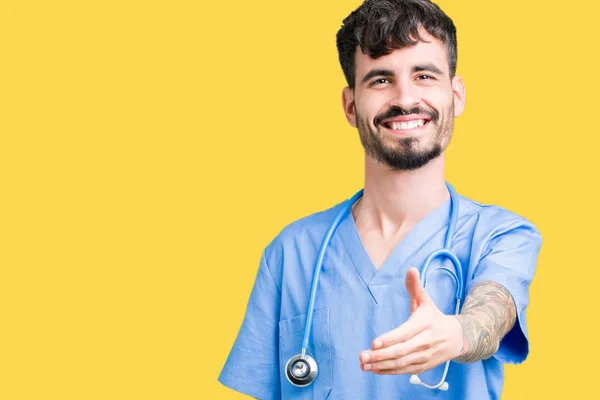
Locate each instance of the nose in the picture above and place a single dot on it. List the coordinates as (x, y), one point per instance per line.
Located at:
(404, 96)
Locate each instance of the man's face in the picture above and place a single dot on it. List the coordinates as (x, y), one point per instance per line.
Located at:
(404, 104)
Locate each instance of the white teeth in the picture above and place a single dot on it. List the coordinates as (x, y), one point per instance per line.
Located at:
(408, 125)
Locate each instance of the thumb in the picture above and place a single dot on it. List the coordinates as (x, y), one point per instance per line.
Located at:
(417, 293)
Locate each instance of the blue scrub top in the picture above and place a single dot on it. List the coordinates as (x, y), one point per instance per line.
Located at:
(356, 303)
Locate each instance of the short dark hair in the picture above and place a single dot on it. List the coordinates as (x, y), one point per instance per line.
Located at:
(381, 26)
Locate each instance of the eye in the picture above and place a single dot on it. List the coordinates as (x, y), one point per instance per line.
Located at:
(379, 81)
(424, 77)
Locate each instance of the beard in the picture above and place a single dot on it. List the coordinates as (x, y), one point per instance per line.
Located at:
(406, 153)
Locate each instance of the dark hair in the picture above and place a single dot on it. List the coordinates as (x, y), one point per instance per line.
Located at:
(381, 26)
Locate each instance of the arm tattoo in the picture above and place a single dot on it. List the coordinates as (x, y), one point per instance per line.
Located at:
(488, 314)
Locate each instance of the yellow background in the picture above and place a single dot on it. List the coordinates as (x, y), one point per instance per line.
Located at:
(150, 150)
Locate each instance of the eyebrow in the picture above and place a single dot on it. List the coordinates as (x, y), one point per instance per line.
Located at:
(389, 73)
(427, 67)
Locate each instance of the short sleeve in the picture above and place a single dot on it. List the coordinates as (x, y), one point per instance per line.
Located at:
(510, 259)
(252, 367)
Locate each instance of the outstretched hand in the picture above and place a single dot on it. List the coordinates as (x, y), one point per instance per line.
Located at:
(427, 339)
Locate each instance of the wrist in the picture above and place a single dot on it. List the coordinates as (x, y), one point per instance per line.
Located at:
(461, 342)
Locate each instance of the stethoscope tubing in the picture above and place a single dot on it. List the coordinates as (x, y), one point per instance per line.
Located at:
(317, 272)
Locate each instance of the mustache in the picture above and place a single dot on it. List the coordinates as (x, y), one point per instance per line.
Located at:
(396, 111)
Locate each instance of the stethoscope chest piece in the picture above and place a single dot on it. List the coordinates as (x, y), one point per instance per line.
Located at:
(301, 371)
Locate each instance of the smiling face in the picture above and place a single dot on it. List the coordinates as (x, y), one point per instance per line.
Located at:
(404, 103)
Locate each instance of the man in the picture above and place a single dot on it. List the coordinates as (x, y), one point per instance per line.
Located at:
(374, 325)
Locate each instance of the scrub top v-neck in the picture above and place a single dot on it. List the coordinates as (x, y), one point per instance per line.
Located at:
(374, 278)
(355, 303)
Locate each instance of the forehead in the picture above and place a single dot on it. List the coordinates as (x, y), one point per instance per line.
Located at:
(430, 51)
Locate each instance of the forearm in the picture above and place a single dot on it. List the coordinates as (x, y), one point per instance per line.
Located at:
(488, 314)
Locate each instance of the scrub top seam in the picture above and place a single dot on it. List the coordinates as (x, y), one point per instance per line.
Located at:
(495, 234)
(352, 259)
(269, 272)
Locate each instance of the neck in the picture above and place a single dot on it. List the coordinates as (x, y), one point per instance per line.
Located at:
(394, 200)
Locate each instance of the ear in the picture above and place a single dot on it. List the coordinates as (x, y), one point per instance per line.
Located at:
(458, 88)
(349, 106)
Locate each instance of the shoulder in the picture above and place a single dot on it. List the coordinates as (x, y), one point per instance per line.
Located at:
(319, 221)
(302, 233)
(491, 220)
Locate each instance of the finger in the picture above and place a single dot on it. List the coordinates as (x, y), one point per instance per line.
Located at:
(414, 363)
(416, 368)
(411, 369)
(402, 364)
(384, 356)
(417, 293)
(404, 332)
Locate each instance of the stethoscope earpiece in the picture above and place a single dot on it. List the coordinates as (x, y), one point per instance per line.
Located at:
(301, 371)
(415, 380)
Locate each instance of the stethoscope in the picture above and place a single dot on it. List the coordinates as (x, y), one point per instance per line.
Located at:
(301, 370)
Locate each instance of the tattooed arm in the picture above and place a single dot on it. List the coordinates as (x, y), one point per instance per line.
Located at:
(488, 314)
